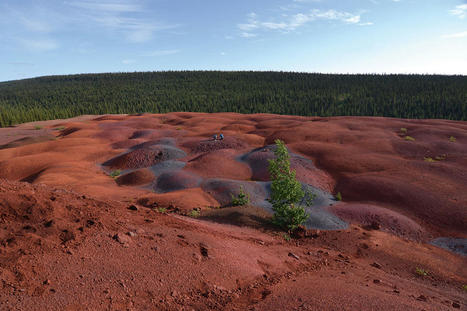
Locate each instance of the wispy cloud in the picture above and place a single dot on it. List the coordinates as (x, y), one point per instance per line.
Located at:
(157, 53)
(106, 7)
(128, 61)
(288, 23)
(459, 11)
(39, 45)
(456, 35)
(127, 18)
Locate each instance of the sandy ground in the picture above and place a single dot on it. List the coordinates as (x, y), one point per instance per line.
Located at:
(74, 238)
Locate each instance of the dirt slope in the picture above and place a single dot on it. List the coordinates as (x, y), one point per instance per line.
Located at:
(74, 238)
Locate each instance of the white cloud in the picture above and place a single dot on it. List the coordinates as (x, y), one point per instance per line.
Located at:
(292, 22)
(39, 45)
(247, 35)
(456, 35)
(108, 7)
(459, 11)
(121, 17)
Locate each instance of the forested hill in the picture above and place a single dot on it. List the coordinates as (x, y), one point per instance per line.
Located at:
(404, 96)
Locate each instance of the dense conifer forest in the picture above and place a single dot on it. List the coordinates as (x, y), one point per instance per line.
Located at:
(402, 96)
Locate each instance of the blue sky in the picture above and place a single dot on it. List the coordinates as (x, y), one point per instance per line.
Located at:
(48, 37)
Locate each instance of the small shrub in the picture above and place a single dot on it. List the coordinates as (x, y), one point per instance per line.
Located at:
(339, 196)
(403, 130)
(440, 158)
(178, 128)
(162, 210)
(37, 127)
(429, 159)
(409, 138)
(60, 128)
(194, 213)
(421, 272)
(464, 287)
(286, 191)
(286, 237)
(241, 199)
(115, 173)
(452, 139)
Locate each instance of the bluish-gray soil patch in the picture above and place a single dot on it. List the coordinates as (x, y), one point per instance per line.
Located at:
(456, 245)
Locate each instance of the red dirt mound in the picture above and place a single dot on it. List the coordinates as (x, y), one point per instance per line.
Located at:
(371, 215)
(197, 146)
(177, 180)
(220, 164)
(146, 157)
(136, 178)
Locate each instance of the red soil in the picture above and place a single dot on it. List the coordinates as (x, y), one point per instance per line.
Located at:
(136, 178)
(69, 242)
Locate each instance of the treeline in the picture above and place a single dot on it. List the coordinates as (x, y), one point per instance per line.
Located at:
(402, 96)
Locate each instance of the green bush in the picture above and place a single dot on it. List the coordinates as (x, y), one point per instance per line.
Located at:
(286, 191)
(115, 173)
(194, 213)
(241, 199)
(452, 139)
(37, 127)
(421, 272)
(339, 196)
(409, 138)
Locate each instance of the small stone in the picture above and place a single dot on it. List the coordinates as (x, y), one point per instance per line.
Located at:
(396, 291)
(376, 281)
(203, 250)
(422, 298)
(132, 208)
(46, 282)
(376, 265)
(456, 305)
(122, 239)
(294, 256)
(132, 234)
(375, 225)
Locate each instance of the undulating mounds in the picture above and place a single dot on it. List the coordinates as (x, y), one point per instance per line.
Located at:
(259, 192)
(239, 127)
(136, 178)
(388, 220)
(167, 167)
(417, 200)
(223, 190)
(141, 123)
(208, 145)
(114, 134)
(28, 141)
(306, 171)
(126, 144)
(140, 158)
(176, 180)
(219, 164)
(110, 118)
(258, 160)
(143, 134)
(456, 245)
(68, 131)
(185, 200)
(166, 141)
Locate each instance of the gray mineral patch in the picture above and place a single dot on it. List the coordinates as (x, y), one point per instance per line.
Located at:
(167, 166)
(456, 245)
(259, 192)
